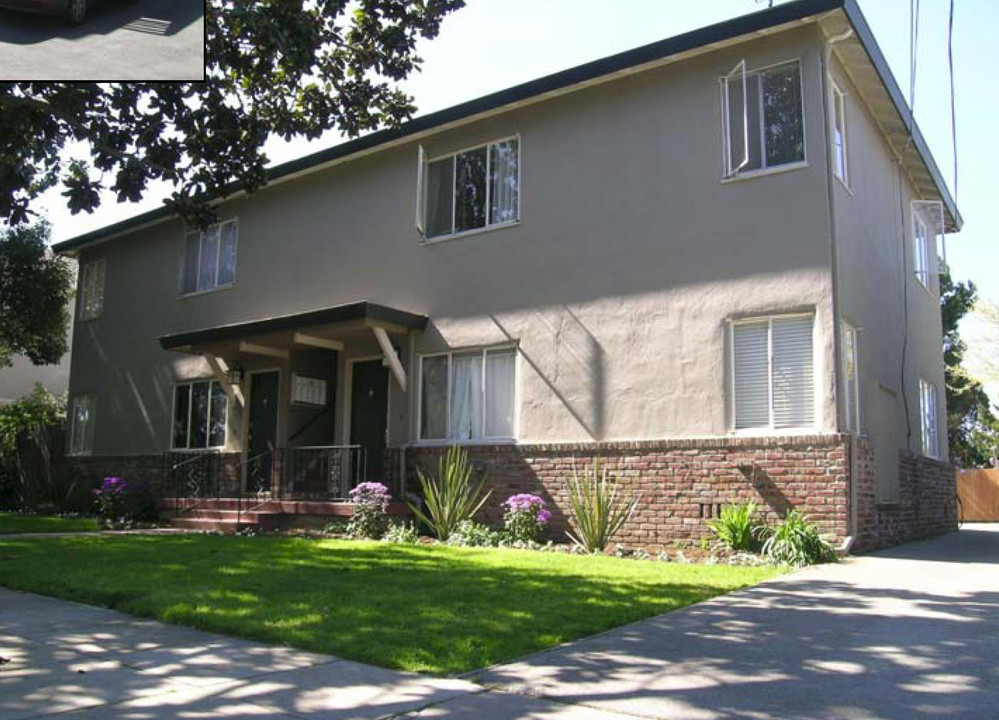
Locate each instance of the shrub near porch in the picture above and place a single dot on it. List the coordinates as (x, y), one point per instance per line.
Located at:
(430, 609)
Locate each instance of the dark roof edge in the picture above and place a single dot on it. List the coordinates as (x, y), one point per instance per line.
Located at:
(361, 310)
(729, 29)
(873, 50)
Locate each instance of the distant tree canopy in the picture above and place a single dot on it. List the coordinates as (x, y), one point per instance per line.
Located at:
(274, 68)
(35, 291)
(972, 427)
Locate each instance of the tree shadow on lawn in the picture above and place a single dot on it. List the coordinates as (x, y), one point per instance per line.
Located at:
(408, 607)
(798, 648)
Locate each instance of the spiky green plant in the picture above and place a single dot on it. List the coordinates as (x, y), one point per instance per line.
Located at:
(738, 528)
(450, 497)
(796, 541)
(597, 508)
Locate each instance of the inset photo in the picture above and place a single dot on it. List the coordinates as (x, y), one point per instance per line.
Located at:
(102, 40)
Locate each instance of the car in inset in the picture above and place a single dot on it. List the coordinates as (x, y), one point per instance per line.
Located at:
(75, 11)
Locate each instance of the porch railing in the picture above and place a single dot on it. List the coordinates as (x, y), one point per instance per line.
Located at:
(327, 472)
(322, 472)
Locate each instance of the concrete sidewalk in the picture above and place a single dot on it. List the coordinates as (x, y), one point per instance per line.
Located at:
(909, 633)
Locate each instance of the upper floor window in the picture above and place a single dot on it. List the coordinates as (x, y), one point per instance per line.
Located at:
(772, 363)
(200, 411)
(468, 395)
(470, 189)
(81, 425)
(762, 118)
(209, 258)
(928, 418)
(851, 399)
(839, 133)
(921, 250)
(91, 299)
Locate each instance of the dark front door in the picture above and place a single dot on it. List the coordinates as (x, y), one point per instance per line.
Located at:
(262, 431)
(369, 415)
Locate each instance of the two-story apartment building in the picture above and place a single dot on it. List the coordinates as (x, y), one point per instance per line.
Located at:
(709, 261)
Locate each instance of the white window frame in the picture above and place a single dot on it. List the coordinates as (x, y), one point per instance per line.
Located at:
(853, 398)
(921, 251)
(190, 411)
(87, 438)
(422, 186)
(816, 377)
(485, 439)
(91, 297)
(730, 173)
(839, 119)
(218, 259)
(929, 435)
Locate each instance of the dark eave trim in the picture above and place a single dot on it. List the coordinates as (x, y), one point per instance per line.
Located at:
(866, 37)
(326, 316)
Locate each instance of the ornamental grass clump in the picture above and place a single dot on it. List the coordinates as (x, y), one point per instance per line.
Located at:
(524, 517)
(796, 542)
(111, 498)
(597, 508)
(450, 498)
(370, 518)
(738, 527)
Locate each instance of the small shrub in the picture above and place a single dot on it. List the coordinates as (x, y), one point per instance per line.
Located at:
(796, 542)
(401, 533)
(597, 508)
(472, 534)
(738, 528)
(370, 519)
(524, 517)
(337, 526)
(450, 498)
(111, 498)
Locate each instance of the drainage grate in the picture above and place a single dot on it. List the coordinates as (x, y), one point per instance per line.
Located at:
(152, 26)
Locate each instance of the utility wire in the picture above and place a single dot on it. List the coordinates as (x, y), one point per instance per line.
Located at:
(953, 111)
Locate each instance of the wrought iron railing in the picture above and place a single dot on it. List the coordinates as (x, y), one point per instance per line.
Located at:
(322, 472)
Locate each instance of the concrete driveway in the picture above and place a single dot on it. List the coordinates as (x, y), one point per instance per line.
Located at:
(907, 633)
(147, 40)
(910, 633)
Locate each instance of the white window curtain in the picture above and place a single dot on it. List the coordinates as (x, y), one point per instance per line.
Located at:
(466, 396)
(504, 181)
(227, 254)
(928, 410)
(82, 430)
(500, 389)
(209, 258)
(794, 402)
(752, 377)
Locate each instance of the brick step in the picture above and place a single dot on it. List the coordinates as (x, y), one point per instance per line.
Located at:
(272, 507)
(226, 526)
(209, 514)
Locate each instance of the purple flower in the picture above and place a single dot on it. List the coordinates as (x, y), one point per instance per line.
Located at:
(544, 516)
(368, 489)
(524, 502)
(111, 486)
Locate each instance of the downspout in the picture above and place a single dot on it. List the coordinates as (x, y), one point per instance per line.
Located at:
(826, 56)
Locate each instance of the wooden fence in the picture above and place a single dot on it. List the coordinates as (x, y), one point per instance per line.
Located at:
(978, 491)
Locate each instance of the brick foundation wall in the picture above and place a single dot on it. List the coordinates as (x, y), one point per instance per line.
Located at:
(683, 482)
(927, 500)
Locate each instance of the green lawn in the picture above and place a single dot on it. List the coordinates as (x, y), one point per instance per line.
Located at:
(424, 608)
(15, 523)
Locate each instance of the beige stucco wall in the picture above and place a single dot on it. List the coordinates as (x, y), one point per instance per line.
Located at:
(873, 234)
(630, 258)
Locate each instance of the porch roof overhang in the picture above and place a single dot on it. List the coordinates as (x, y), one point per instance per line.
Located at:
(361, 313)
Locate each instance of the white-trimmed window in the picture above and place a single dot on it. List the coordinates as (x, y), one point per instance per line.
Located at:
(81, 425)
(468, 395)
(772, 372)
(200, 412)
(91, 302)
(209, 258)
(850, 385)
(470, 189)
(762, 117)
(928, 418)
(840, 167)
(921, 250)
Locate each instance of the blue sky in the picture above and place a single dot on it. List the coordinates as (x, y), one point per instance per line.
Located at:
(468, 59)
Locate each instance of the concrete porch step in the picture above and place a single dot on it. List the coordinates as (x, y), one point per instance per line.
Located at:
(226, 526)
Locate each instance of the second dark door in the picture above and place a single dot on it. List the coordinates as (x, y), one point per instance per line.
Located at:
(369, 415)
(262, 430)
